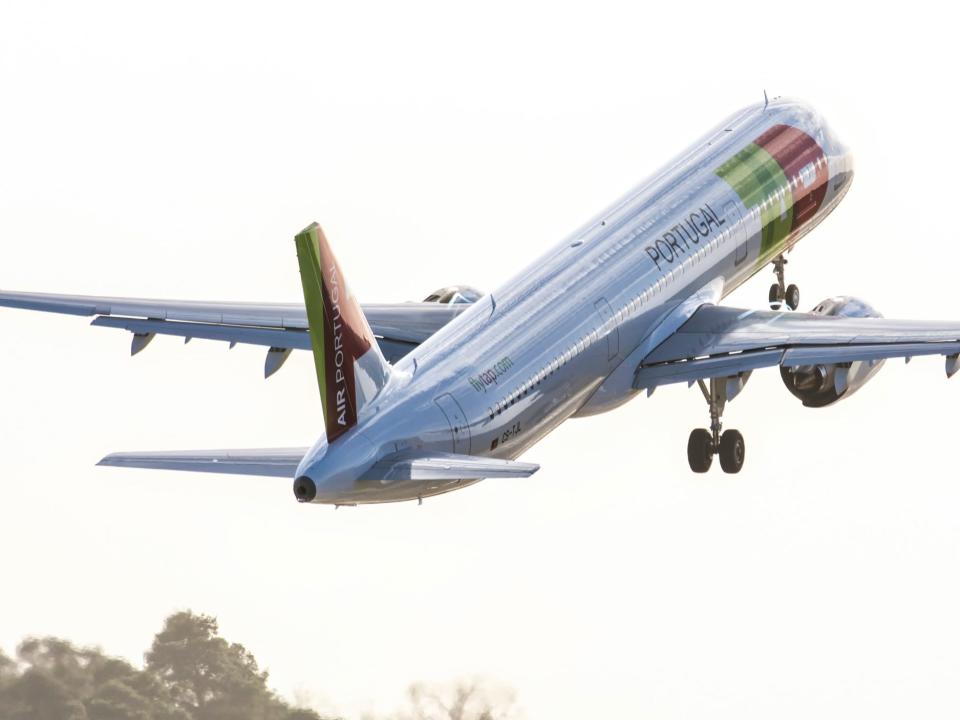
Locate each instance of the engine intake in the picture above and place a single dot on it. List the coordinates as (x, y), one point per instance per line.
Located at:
(454, 295)
(822, 385)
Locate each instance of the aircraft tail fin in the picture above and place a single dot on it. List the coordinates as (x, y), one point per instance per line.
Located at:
(351, 370)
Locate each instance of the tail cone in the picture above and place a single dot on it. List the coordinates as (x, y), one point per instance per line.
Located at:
(305, 489)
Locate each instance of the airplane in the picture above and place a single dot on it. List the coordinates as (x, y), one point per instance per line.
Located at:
(424, 398)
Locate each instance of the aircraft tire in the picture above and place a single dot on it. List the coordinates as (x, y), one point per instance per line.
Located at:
(700, 450)
(793, 297)
(732, 451)
(774, 296)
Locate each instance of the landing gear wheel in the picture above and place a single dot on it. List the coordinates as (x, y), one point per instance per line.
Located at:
(700, 450)
(774, 296)
(779, 290)
(704, 444)
(732, 451)
(793, 297)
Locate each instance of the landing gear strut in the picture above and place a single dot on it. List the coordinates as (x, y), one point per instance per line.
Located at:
(704, 444)
(779, 293)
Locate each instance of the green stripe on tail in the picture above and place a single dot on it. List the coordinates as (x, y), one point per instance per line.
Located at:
(308, 255)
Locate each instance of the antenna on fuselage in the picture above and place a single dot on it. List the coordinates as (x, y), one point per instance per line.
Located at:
(765, 100)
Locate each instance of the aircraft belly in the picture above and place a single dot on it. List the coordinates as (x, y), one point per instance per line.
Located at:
(545, 423)
(371, 493)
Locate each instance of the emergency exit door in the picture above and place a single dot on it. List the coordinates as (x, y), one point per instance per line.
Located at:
(737, 229)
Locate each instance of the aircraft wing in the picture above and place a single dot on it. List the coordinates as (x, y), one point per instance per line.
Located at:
(272, 462)
(721, 342)
(399, 327)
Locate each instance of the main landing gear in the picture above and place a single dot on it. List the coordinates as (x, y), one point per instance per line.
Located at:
(704, 444)
(779, 293)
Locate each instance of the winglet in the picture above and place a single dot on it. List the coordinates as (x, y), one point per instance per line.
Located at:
(350, 367)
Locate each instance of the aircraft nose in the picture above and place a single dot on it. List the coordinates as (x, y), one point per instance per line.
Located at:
(848, 160)
(838, 152)
(841, 151)
(842, 168)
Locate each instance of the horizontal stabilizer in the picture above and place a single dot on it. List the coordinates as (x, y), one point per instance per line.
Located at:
(412, 465)
(272, 462)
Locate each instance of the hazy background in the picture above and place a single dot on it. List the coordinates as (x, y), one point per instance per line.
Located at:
(173, 150)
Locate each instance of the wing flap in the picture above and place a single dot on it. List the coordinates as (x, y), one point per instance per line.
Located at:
(445, 466)
(713, 330)
(688, 371)
(865, 353)
(270, 462)
(270, 337)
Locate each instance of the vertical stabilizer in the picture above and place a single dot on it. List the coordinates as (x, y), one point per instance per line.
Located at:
(350, 367)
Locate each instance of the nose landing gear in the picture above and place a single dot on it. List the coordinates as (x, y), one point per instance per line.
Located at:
(780, 294)
(704, 444)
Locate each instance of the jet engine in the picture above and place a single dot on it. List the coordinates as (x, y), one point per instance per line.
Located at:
(454, 295)
(822, 385)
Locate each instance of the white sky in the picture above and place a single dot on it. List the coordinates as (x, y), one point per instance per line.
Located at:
(173, 151)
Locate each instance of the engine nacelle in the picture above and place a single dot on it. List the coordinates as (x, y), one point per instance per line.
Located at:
(821, 385)
(454, 295)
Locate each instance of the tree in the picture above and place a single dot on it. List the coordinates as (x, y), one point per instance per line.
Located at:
(191, 674)
(8, 668)
(60, 680)
(460, 701)
(35, 695)
(211, 679)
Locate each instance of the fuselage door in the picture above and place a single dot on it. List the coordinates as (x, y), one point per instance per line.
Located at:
(459, 429)
(607, 323)
(737, 230)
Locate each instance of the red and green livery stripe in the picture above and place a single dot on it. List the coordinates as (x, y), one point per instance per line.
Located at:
(784, 173)
(339, 333)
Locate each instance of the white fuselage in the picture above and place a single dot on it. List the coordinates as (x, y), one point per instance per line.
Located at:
(565, 335)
